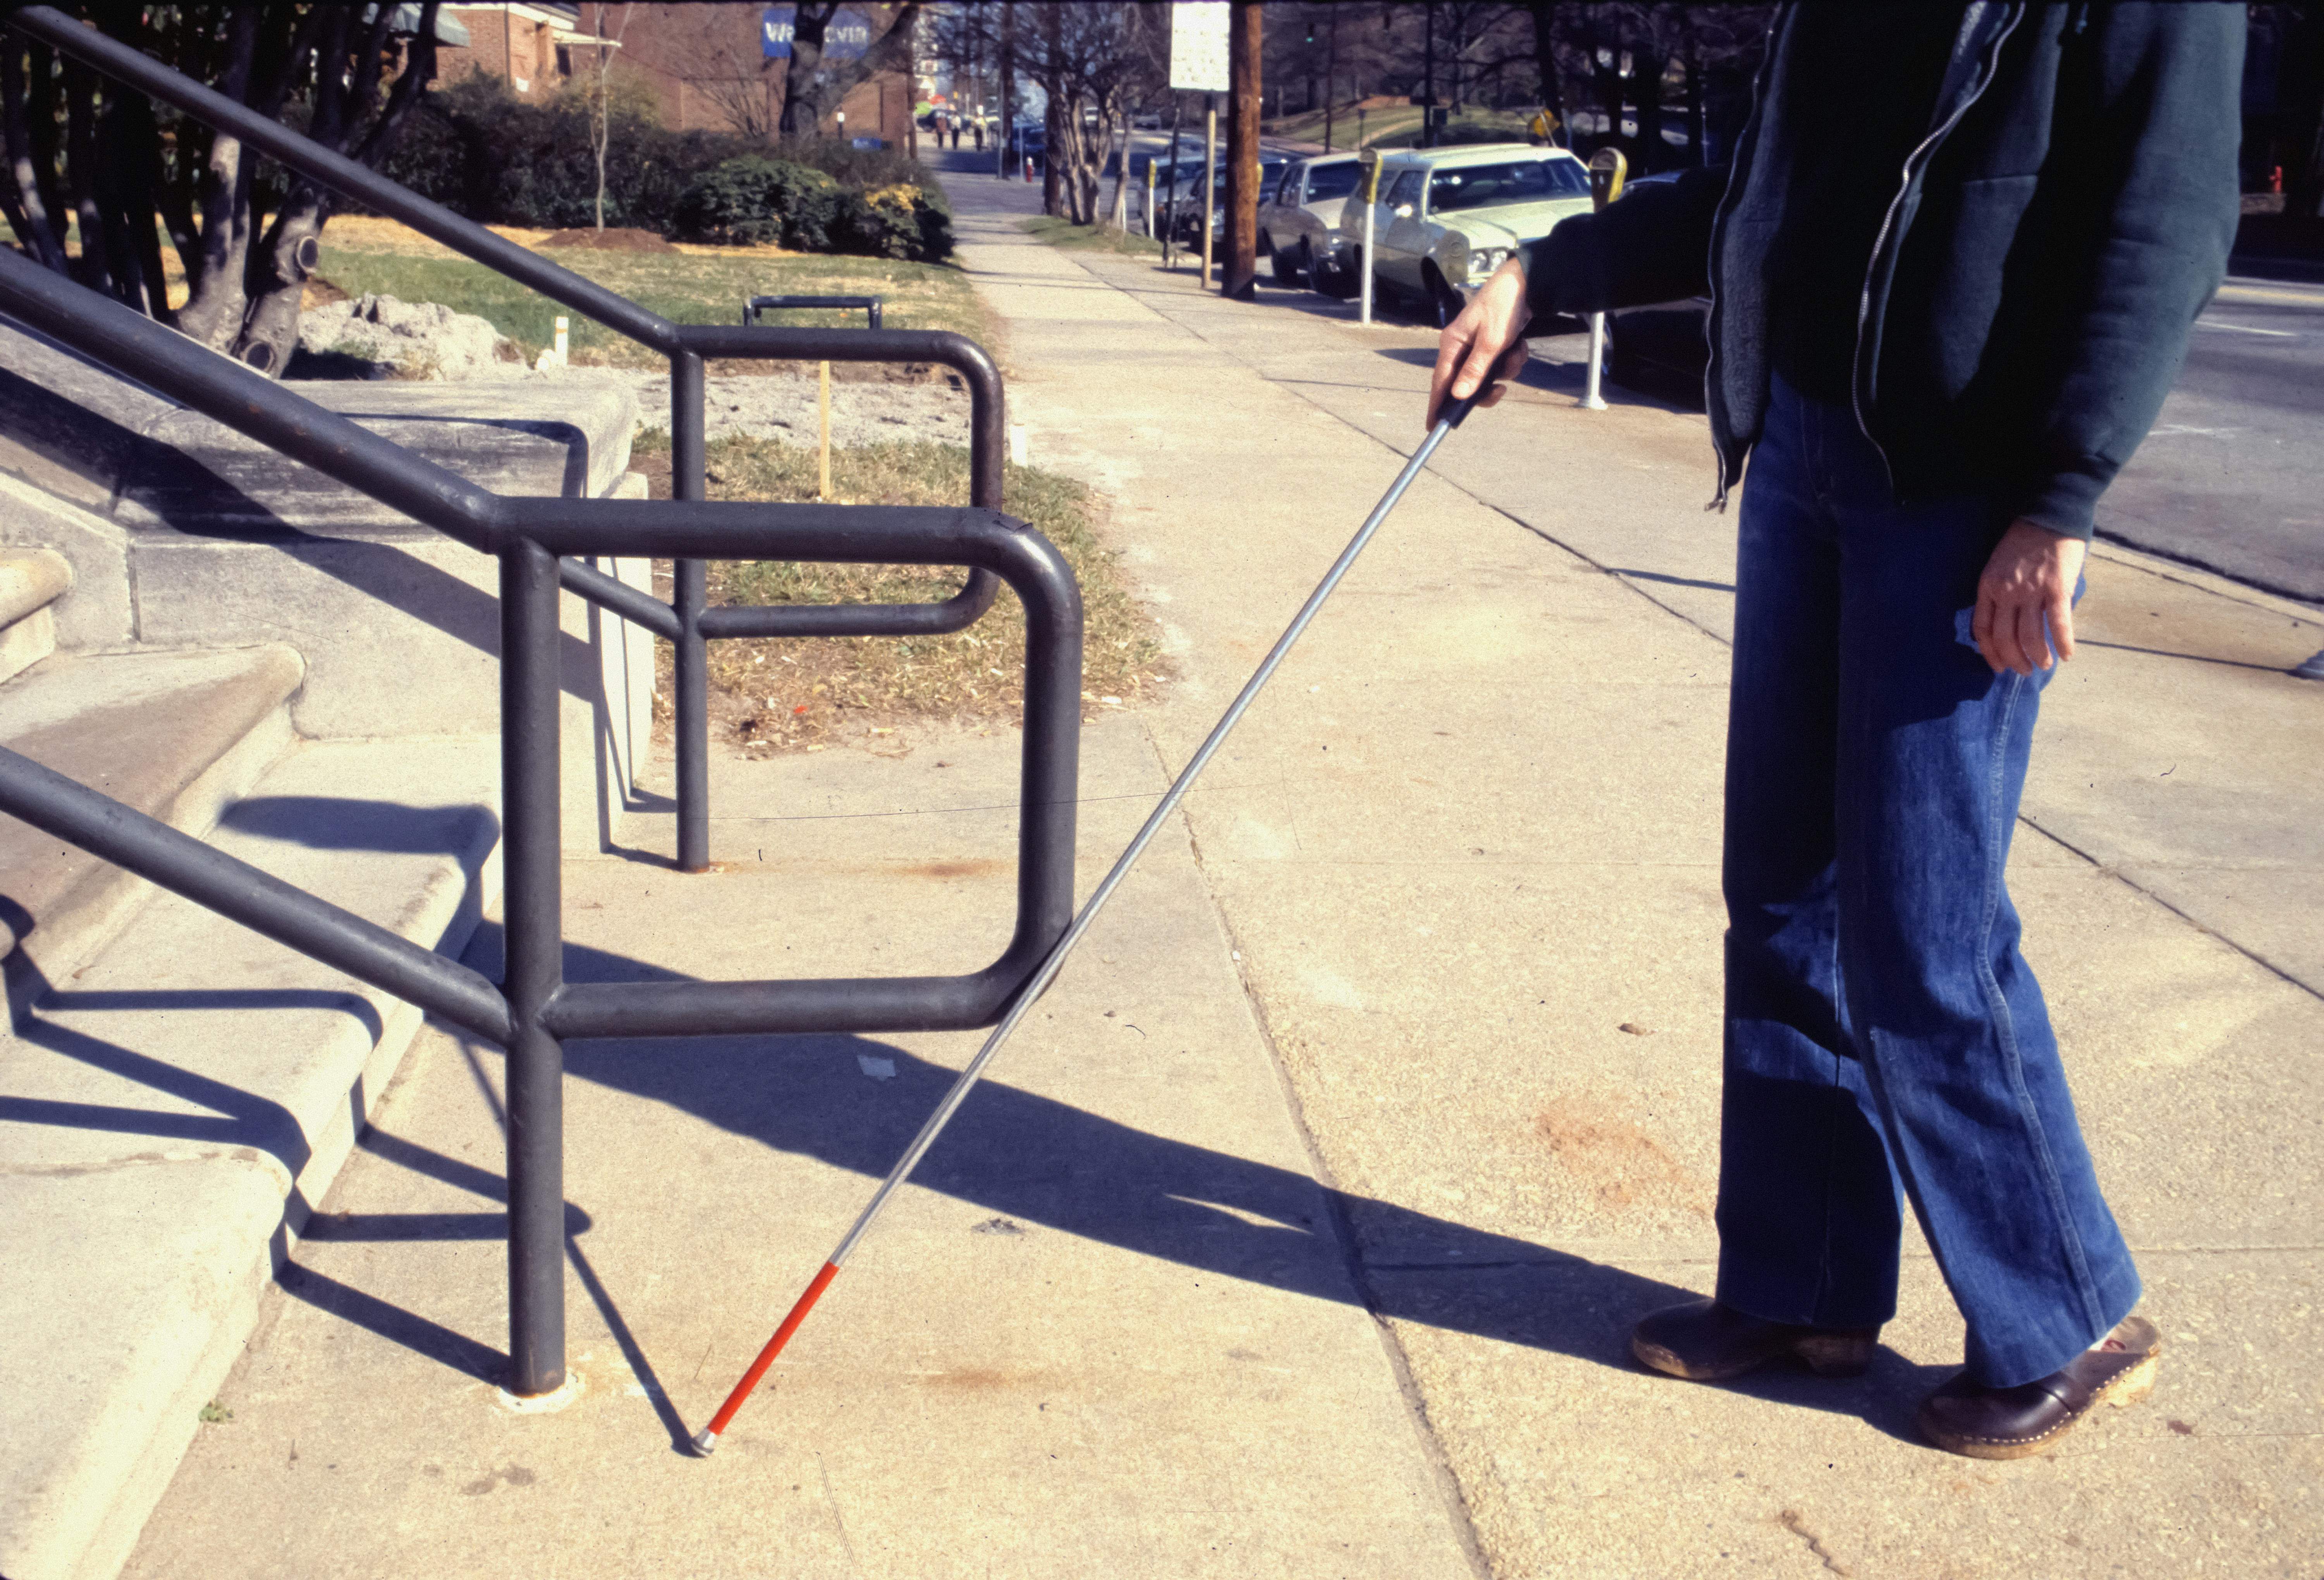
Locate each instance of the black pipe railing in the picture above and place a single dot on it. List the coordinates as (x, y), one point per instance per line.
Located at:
(533, 1009)
(868, 306)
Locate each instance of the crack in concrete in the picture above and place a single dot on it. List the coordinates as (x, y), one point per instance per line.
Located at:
(1792, 1520)
(135, 1161)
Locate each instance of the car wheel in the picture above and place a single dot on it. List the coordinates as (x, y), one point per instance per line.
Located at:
(1333, 280)
(1285, 268)
(1444, 304)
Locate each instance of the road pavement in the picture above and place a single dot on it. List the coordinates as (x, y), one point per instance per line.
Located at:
(2232, 477)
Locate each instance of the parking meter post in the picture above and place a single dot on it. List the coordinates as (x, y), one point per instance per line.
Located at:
(1122, 179)
(1210, 163)
(1369, 195)
(1607, 169)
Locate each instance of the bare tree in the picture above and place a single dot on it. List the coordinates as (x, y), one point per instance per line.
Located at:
(80, 146)
(814, 83)
(1094, 61)
(600, 109)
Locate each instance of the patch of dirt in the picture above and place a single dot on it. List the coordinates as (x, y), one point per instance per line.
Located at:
(1614, 1156)
(319, 292)
(612, 239)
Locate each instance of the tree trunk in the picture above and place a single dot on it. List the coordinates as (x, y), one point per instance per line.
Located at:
(30, 211)
(1696, 128)
(1646, 71)
(1544, 57)
(801, 108)
(293, 244)
(1052, 146)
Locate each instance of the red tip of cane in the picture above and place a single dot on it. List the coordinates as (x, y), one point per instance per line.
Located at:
(751, 1379)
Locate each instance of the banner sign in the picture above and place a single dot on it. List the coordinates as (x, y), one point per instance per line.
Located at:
(1198, 46)
(847, 36)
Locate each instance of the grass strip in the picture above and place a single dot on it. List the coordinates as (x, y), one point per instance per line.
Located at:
(696, 285)
(793, 695)
(1063, 233)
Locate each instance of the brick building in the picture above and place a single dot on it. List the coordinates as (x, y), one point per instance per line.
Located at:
(529, 45)
(703, 66)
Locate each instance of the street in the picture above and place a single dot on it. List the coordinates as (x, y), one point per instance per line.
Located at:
(2231, 477)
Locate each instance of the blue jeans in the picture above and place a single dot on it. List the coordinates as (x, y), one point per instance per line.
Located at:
(1883, 1032)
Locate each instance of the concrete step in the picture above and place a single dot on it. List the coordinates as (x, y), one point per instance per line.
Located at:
(177, 735)
(29, 584)
(109, 445)
(168, 1115)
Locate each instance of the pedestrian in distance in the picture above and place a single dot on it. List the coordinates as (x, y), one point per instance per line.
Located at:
(1953, 266)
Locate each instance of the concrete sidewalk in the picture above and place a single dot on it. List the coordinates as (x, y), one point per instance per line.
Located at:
(1469, 848)
(1443, 928)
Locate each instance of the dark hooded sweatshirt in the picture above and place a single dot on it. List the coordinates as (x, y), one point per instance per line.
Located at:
(2044, 240)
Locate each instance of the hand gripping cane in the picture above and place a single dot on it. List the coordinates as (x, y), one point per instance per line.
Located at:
(707, 1440)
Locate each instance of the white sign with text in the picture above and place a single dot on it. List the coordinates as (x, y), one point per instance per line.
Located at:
(1198, 46)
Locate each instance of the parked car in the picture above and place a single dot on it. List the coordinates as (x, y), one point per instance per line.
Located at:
(1028, 140)
(1271, 165)
(1299, 220)
(1664, 349)
(1447, 218)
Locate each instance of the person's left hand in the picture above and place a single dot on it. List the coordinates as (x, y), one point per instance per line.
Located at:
(2028, 582)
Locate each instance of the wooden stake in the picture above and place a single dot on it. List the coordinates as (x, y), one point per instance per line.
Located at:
(823, 408)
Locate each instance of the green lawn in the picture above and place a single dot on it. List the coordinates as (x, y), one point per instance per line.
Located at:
(1062, 232)
(684, 287)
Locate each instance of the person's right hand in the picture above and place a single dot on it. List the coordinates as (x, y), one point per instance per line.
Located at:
(1485, 343)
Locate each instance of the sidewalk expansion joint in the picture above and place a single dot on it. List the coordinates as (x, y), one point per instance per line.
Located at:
(1343, 1232)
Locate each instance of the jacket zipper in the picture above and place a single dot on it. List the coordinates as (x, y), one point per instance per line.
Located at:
(1914, 162)
(1717, 235)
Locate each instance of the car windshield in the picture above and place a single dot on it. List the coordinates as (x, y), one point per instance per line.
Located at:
(1325, 181)
(1266, 168)
(1521, 181)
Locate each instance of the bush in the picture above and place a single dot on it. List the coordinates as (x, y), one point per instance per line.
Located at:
(851, 166)
(482, 151)
(476, 148)
(899, 221)
(756, 200)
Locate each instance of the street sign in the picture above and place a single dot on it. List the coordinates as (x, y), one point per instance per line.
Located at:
(1607, 169)
(1198, 46)
(847, 36)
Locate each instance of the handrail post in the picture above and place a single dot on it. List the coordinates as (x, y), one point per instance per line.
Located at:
(691, 589)
(533, 855)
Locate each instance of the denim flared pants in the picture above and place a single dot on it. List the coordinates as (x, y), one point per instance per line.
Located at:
(1882, 1031)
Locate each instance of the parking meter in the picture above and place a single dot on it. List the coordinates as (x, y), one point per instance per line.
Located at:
(1369, 195)
(1607, 168)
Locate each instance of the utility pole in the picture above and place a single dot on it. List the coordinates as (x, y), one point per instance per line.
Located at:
(1241, 275)
(1170, 199)
(1428, 77)
(1331, 76)
(1209, 209)
(1008, 89)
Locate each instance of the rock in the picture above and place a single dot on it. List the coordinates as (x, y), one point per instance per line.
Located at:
(381, 337)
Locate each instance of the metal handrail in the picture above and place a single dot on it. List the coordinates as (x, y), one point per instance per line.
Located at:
(532, 1008)
(868, 306)
(691, 624)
